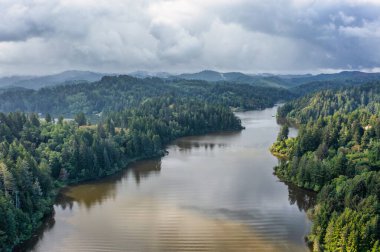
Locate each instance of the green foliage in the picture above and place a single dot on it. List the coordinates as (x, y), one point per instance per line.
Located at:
(337, 152)
(125, 92)
(284, 132)
(328, 102)
(350, 220)
(48, 118)
(80, 119)
(135, 119)
(34, 154)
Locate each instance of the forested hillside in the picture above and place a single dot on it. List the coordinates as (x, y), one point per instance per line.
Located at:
(118, 93)
(337, 153)
(330, 101)
(315, 86)
(38, 156)
(36, 82)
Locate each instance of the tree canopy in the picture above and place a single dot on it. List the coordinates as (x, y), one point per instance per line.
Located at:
(38, 156)
(337, 153)
(116, 93)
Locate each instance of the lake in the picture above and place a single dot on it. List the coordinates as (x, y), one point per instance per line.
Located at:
(215, 192)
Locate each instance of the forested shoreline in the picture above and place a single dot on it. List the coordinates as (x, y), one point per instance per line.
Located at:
(122, 119)
(118, 120)
(37, 157)
(337, 154)
(116, 93)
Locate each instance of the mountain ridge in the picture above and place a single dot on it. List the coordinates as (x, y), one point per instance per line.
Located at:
(265, 79)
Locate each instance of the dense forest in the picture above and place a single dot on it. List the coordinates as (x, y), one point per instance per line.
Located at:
(115, 93)
(337, 153)
(121, 119)
(315, 86)
(37, 156)
(327, 102)
(302, 85)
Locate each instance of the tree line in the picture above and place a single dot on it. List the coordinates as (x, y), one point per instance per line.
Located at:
(115, 93)
(37, 156)
(336, 153)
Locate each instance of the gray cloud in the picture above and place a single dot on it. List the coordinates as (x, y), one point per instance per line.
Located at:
(42, 36)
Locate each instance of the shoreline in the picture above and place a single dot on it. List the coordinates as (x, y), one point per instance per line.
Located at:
(49, 217)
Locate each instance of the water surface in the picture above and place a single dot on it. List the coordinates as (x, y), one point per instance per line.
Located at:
(210, 193)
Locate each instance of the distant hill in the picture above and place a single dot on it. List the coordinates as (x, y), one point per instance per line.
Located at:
(319, 81)
(306, 82)
(236, 77)
(10, 80)
(146, 74)
(116, 93)
(12, 89)
(213, 76)
(342, 76)
(314, 83)
(36, 82)
(206, 75)
(298, 84)
(73, 76)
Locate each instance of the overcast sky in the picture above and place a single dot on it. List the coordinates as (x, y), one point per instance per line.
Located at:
(278, 36)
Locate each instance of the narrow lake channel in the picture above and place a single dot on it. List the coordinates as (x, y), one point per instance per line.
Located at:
(210, 193)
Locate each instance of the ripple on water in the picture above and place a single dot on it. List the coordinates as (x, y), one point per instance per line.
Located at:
(211, 193)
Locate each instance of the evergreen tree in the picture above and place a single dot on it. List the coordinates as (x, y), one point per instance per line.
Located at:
(80, 119)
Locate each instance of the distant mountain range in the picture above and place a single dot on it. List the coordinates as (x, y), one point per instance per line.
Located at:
(36, 82)
(286, 81)
(146, 74)
(214, 76)
(272, 80)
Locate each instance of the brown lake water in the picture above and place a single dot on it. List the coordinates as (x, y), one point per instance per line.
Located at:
(210, 193)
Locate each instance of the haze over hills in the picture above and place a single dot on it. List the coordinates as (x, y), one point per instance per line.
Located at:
(304, 81)
(146, 74)
(344, 75)
(304, 85)
(292, 80)
(236, 77)
(36, 82)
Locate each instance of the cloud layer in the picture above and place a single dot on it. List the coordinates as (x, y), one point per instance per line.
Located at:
(43, 36)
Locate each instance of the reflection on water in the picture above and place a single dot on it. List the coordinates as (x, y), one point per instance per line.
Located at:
(145, 169)
(210, 193)
(188, 145)
(304, 199)
(96, 192)
(219, 140)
